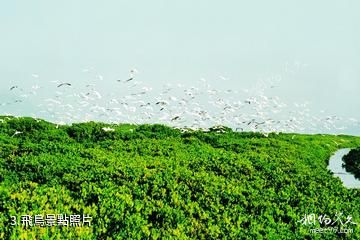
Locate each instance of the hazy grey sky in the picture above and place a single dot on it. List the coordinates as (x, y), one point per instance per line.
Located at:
(183, 41)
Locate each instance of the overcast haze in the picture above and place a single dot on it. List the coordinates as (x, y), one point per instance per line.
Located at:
(314, 46)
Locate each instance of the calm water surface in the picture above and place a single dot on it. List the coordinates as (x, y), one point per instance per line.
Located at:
(335, 166)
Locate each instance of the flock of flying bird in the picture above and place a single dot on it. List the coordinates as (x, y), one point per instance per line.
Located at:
(196, 107)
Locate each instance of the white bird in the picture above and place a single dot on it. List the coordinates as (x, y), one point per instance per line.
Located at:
(98, 95)
(223, 78)
(100, 77)
(108, 129)
(16, 133)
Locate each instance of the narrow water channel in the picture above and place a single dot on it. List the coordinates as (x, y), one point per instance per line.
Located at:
(335, 166)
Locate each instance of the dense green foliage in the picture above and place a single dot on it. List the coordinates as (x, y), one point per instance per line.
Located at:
(352, 162)
(155, 182)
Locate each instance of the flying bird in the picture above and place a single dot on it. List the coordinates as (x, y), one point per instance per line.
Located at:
(175, 118)
(64, 84)
(132, 73)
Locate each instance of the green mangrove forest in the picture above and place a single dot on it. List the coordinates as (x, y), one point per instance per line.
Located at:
(156, 182)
